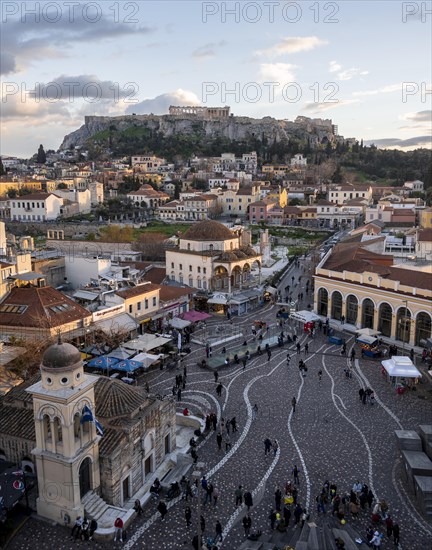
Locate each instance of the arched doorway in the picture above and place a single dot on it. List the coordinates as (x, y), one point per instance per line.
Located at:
(403, 324)
(336, 308)
(423, 328)
(322, 304)
(85, 476)
(351, 309)
(385, 319)
(368, 313)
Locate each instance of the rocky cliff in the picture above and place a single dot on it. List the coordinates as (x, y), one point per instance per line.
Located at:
(269, 130)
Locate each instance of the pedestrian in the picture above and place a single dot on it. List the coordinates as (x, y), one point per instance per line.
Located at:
(219, 390)
(219, 441)
(218, 530)
(306, 348)
(268, 355)
(92, 528)
(293, 404)
(320, 500)
(227, 442)
(254, 411)
(179, 394)
(118, 529)
(247, 524)
(267, 445)
(298, 347)
(244, 361)
(396, 533)
(353, 354)
(188, 516)
(361, 393)
(319, 375)
(278, 499)
(195, 542)
(216, 375)
(214, 421)
(84, 534)
(215, 496)
(376, 540)
(202, 524)
(147, 387)
(234, 424)
(76, 529)
(295, 474)
(248, 500)
(272, 518)
(389, 525)
(370, 498)
(286, 515)
(288, 359)
(162, 509)
(275, 446)
(342, 319)
(238, 493)
(298, 511)
(137, 507)
(228, 425)
(194, 456)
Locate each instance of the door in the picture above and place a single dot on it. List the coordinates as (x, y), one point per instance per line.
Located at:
(85, 477)
(126, 494)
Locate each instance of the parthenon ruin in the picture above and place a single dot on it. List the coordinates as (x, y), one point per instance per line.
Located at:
(201, 112)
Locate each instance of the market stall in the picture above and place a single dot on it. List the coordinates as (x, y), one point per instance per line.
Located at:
(369, 345)
(399, 369)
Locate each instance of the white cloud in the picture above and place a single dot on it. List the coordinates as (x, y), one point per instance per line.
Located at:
(208, 50)
(293, 44)
(347, 74)
(313, 107)
(420, 116)
(384, 90)
(402, 144)
(277, 72)
(159, 105)
(334, 67)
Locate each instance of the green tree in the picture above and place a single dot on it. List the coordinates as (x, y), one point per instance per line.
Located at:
(2, 168)
(337, 175)
(12, 193)
(41, 156)
(62, 185)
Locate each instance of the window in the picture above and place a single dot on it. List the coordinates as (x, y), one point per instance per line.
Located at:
(190, 268)
(204, 270)
(199, 285)
(139, 306)
(188, 246)
(336, 312)
(172, 265)
(181, 278)
(385, 314)
(180, 266)
(146, 303)
(60, 308)
(130, 308)
(190, 281)
(199, 269)
(154, 301)
(10, 308)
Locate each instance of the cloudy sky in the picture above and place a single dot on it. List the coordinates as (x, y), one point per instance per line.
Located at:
(365, 65)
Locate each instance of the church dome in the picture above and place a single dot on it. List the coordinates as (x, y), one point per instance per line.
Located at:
(114, 398)
(208, 230)
(61, 357)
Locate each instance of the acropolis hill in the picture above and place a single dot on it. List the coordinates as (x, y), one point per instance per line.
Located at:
(198, 124)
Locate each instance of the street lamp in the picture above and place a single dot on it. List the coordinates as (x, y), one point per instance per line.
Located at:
(196, 476)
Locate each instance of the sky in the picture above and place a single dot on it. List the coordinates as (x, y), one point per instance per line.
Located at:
(365, 65)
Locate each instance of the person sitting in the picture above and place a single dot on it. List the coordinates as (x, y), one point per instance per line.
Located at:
(192, 442)
(186, 412)
(174, 490)
(227, 361)
(137, 507)
(84, 534)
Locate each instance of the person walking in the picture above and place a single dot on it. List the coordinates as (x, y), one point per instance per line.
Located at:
(238, 493)
(272, 518)
(219, 390)
(267, 446)
(353, 354)
(118, 529)
(234, 424)
(162, 509)
(275, 446)
(215, 496)
(179, 392)
(254, 411)
(188, 516)
(376, 540)
(389, 526)
(227, 442)
(396, 533)
(248, 500)
(319, 376)
(306, 348)
(216, 375)
(298, 347)
(247, 524)
(295, 474)
(278, 499)
(219, 441)
(218, 530)
(293, 404)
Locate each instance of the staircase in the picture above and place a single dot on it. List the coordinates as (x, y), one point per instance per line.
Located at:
(94, 506)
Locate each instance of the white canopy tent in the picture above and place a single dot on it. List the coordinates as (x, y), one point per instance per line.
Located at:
(401, 367)
(146, 342)
(368, 332)
(148, 359)
(304, 316)
(179, 323)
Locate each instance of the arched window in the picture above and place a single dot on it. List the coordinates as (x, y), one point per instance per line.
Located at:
(190, 281)
(211, 247)
(181, 278)
(336, 311)
(199, 285)
(204, 284)
(322, 302)
(188, 246)
(58, 432)
(368, 313)
(351, 309)
(385, 319)
(46, 420)
(423, 328)
(403, 324)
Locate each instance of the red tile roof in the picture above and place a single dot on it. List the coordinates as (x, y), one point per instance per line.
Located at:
(137, 290)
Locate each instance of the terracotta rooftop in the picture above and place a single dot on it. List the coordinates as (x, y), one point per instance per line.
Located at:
(137, 290)
(168, 293)
(208, 230)
(425, 235)
(43, 307)
(35, 197)
(115, 398)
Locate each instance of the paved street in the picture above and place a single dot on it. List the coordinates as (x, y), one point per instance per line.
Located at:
(331, 436)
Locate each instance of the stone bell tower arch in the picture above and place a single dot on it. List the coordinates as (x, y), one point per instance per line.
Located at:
(67, 451)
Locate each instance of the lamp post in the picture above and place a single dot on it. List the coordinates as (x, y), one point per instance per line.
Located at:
(196, 476)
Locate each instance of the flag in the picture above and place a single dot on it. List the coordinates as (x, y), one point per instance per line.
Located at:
(87, 416)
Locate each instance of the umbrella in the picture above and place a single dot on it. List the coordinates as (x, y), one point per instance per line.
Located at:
(12, 487)
(103, 362)
(128, 365)
(368, 332)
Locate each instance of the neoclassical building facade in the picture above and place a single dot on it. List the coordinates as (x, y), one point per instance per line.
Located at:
(211, 257)
(371, 291)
